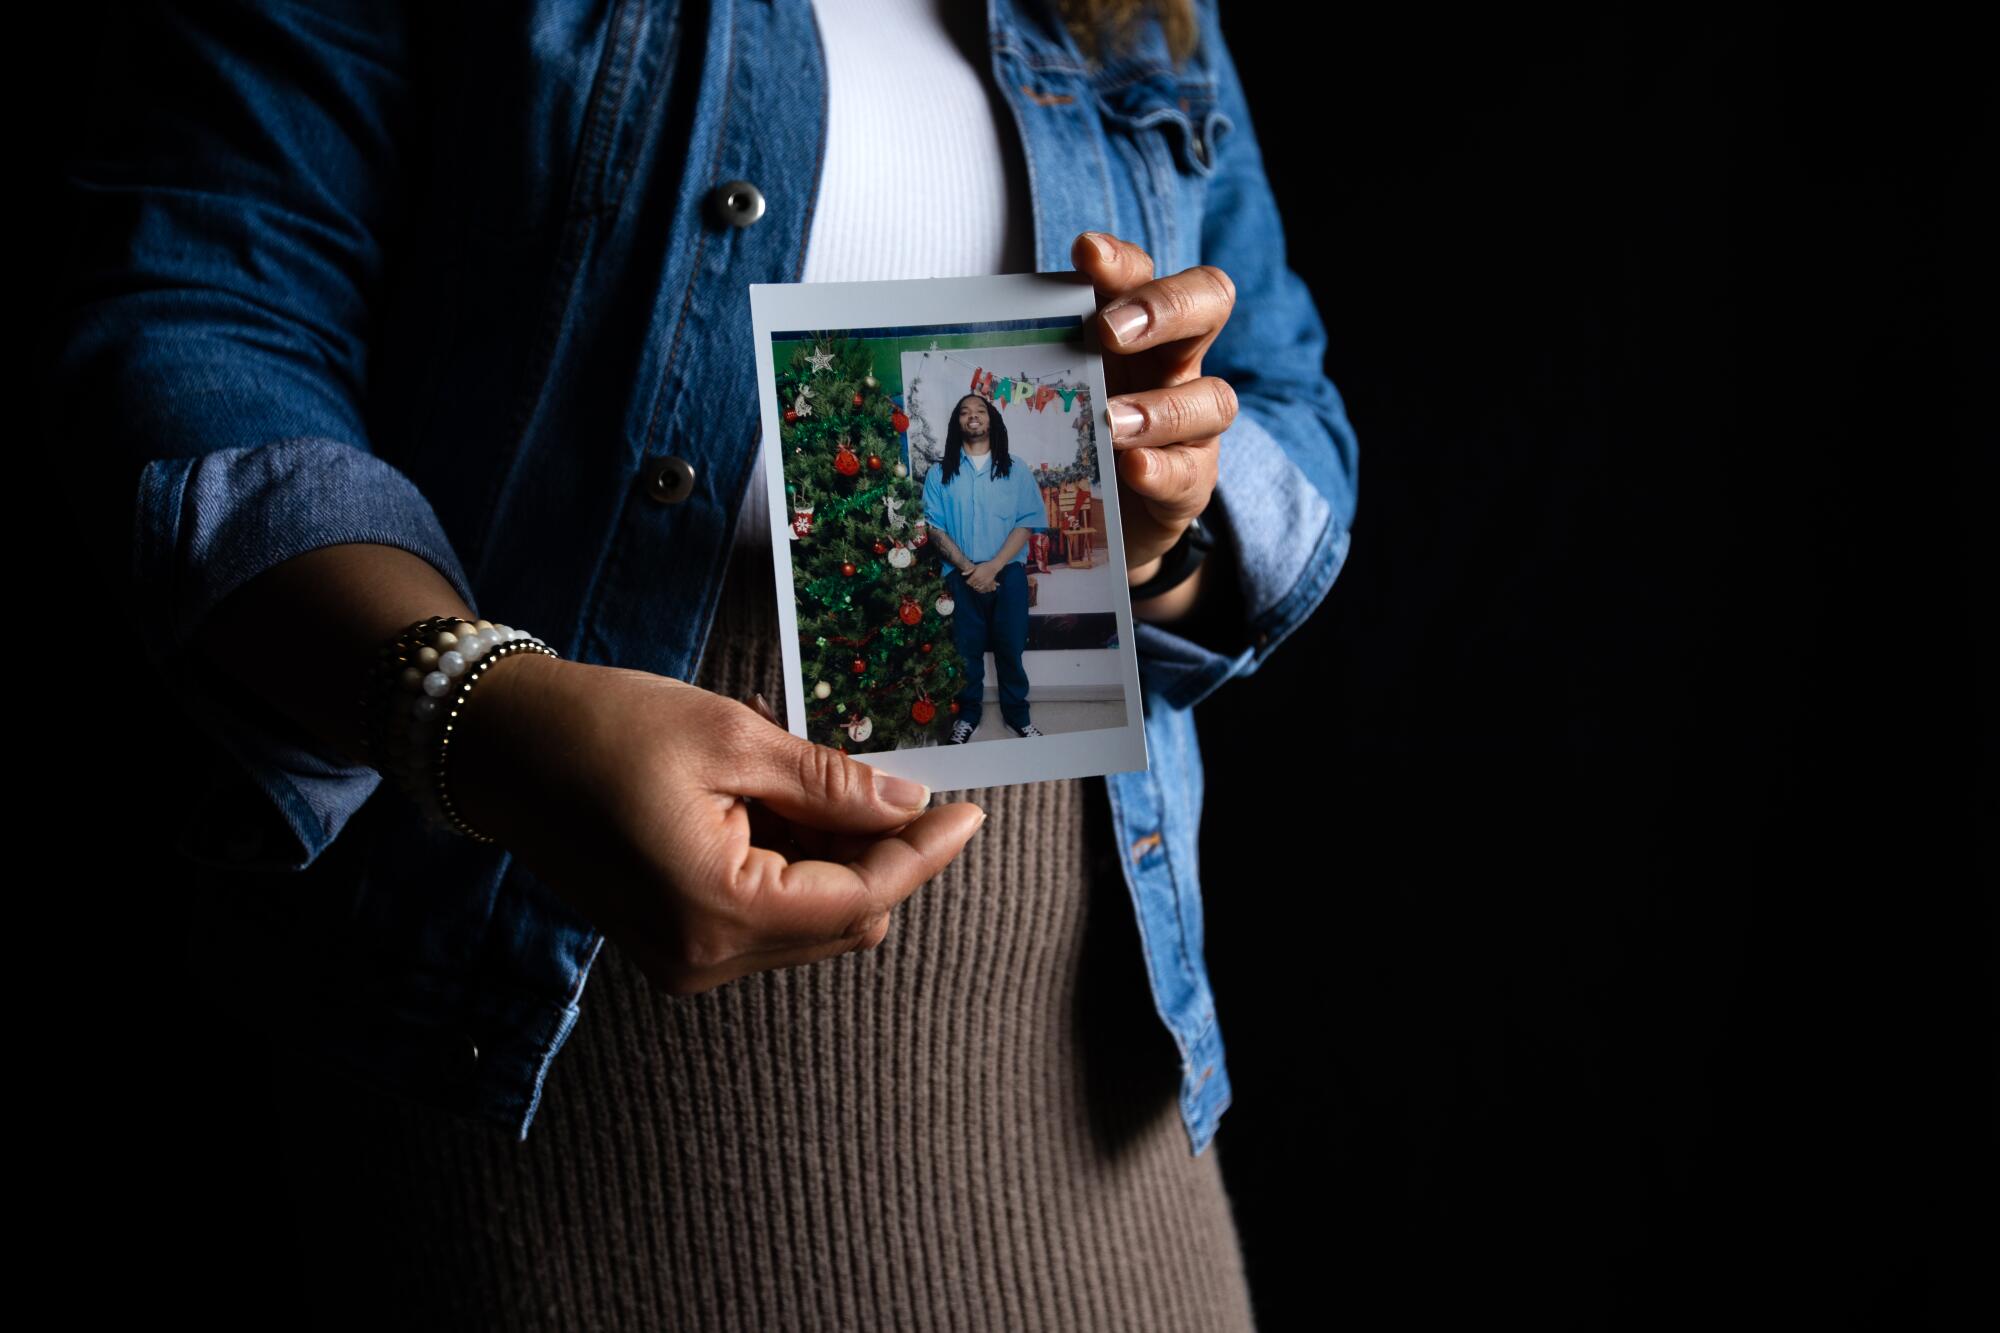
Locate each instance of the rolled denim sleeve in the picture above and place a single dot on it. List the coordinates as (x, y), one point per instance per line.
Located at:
(211, 363)
(1286, 483)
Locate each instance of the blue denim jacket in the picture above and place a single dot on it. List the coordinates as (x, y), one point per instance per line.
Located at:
(369, 272)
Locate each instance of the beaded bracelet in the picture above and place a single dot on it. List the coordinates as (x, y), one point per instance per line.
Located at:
(420, 682)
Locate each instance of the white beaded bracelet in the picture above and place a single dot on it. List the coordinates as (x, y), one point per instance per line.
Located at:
(420, 683)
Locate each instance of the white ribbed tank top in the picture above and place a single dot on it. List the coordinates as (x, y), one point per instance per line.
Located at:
(922, 177)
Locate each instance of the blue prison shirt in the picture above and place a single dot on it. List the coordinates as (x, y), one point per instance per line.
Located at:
(979, 511)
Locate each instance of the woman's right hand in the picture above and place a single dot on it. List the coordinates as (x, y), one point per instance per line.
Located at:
(622, 791)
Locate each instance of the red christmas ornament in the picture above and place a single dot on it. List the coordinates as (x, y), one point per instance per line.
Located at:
(910, 612)
(859, 666)
(857, 400)
(926, 648)
(923, 710)
(844, 462)
(874, 462)
(880, 549)
(954, 706)
(847, 568)
(791, 417)
(898, 420)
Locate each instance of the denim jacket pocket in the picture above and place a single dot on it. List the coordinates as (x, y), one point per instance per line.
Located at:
(1182, 110)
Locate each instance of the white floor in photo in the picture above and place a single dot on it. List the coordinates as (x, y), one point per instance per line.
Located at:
(1052, 719)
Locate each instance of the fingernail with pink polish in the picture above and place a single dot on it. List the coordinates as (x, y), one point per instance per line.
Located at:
(901, 791)
(1125, 420)
(1125, 321)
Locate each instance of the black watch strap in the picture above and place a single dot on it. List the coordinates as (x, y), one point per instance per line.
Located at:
(1181, 561)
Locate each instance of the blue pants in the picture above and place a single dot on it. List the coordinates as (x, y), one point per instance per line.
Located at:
(998, 621)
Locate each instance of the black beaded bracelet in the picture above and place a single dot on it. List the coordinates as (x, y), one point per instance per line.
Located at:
(408, 722)
(451, 815)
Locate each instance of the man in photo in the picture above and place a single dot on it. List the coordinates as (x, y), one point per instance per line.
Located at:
(982, 510)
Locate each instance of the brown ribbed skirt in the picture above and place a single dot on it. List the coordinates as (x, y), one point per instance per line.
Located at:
(972, 1126)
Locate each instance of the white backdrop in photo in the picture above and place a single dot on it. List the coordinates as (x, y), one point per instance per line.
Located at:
(939, 379)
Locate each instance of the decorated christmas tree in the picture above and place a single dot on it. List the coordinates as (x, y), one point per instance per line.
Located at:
(875, 638)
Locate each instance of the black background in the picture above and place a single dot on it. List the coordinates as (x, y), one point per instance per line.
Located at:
(1629, 791)
(1599, 903)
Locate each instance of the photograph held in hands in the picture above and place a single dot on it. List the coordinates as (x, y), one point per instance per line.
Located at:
(950, 574)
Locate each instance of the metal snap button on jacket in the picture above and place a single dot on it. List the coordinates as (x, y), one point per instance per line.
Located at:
(671, 481)
(739, 203)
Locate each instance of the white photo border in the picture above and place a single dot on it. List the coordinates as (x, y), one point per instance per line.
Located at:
(953, 305)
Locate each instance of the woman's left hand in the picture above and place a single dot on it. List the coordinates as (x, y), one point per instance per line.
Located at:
(1167, 418)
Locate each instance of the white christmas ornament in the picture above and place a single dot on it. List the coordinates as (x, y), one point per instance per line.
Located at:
(822, 690)
(820, 358)
(894, 506)
(945, 605)
(861, 729)
(900, 556)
